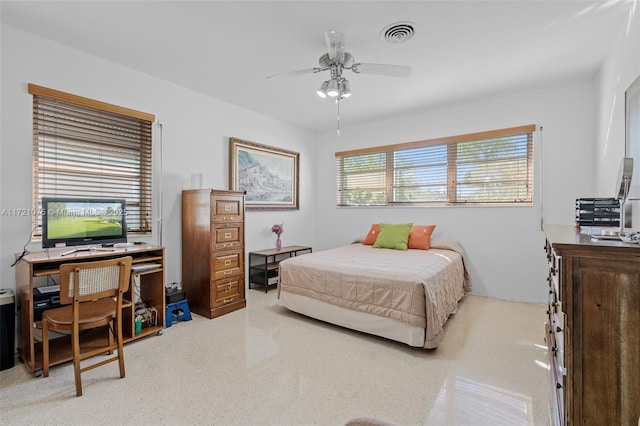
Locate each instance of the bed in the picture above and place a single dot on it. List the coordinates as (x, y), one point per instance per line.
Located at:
(402, 295)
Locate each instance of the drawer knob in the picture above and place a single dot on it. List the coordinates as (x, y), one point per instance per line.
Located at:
(558, 329)
(227, 262)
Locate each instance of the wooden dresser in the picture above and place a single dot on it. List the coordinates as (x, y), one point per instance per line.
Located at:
(593, 328)
(213, 251)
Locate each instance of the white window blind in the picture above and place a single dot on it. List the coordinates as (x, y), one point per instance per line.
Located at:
(88, 149)
(494, 167)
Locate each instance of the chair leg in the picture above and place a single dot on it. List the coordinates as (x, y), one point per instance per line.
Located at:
(110, 333)
(75, 344)
(45, 348)
(120, 349)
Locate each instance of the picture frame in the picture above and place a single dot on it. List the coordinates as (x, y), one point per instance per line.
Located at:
(632, 135)
(268, 175)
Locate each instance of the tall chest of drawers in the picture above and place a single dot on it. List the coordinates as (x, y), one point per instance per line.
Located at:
(213, 251)
(593, 328)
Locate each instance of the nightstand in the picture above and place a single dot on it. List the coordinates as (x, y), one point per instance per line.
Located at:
(263, 264)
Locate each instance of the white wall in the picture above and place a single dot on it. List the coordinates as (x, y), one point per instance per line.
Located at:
(619, 71)
(503, 244)
(195, 132)
(577, 155)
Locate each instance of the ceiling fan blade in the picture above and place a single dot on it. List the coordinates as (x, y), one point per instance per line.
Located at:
(335, 45)
(292, 73)
(382, 69)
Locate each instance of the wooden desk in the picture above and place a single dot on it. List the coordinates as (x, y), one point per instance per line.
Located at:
(47, 263)
(263, 264)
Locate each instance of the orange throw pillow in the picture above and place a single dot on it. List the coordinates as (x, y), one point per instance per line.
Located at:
(372, 236)
(420, 237)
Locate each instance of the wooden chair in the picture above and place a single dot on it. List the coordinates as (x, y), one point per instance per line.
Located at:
(92, 293)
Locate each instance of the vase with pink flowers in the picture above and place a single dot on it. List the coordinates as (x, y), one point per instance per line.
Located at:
(278, 229)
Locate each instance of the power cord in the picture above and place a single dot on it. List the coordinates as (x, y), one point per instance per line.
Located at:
(24, 249)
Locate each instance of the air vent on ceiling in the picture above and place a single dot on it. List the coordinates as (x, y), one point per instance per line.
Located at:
(398, 32)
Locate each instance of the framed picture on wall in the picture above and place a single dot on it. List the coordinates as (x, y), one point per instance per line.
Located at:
(268, 175)
(632, 135)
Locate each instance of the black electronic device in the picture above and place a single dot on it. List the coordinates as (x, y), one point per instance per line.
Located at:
(43, 299)
(173, 296)
(598, 212)
(83, 221)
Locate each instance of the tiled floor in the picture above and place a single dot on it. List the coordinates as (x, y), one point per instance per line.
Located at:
(266, 365)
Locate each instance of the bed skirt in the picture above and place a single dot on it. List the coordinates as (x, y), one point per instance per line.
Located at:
(355, 320)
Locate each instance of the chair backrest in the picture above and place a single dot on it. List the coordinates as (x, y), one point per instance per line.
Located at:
(94, 280)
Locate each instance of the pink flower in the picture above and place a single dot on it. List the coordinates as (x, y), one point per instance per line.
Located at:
(277, 229)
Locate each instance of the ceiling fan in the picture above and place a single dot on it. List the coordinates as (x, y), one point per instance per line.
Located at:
(336, 60)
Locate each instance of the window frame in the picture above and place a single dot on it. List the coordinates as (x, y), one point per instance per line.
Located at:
(136, 141)
(525, 177)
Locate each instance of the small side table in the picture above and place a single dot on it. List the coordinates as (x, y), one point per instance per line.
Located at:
(263, 264)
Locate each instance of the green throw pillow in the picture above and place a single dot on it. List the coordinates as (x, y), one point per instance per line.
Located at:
(393, 236)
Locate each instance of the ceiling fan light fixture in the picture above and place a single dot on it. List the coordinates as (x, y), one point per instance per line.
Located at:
(337, 61)
(322, 91)
(345, 88)
(332, 89)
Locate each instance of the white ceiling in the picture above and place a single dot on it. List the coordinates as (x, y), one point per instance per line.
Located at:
(461, 51)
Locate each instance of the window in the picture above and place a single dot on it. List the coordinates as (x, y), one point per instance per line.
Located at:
(494, 167)
(88, 149)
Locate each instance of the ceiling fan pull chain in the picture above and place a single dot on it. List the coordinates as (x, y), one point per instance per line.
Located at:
(338, 103)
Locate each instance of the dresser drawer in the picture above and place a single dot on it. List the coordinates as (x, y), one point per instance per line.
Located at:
(556, 361)
(554, 305)
(226, 263)
(227, 290)
(557, 327)
(227, 236)
(227, 208)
